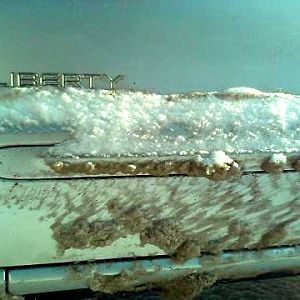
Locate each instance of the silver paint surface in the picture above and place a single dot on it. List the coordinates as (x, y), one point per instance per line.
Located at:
(227, 215)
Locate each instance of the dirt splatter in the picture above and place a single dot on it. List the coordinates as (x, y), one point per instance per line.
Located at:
(103, 232)
(82, 234)
(165, 234)
(189, 248)
(76, 271)
(225, 95)
(187, 287)
(182, 288)
(238, 96)
(7, 296)
(296, 165)
(133, 219)
(225, 171)
(127, 280)
(154, 167)
(190, 95)
(275, 235)
(242, 231)
(272, 165)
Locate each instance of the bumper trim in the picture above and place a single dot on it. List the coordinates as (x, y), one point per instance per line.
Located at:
(230, 265)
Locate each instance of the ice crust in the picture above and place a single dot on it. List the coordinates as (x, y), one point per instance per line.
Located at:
(122, 123)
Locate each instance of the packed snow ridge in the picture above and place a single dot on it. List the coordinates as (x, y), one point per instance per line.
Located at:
(122, 123)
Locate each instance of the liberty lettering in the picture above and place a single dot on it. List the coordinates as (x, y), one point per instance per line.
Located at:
(32, 79)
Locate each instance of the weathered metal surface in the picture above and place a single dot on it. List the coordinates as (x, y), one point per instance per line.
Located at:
(234, 265)
(73, 220)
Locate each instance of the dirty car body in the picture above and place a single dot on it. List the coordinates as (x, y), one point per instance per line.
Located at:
(116, 188)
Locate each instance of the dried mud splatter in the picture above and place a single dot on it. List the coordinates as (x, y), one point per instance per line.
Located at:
(188, 287)
(10, 297)
(271, 167)
(165, 234)
(275, 235)
(154, 167)
(182, 288)
(125, 281)
(296, 164)
(82, 234)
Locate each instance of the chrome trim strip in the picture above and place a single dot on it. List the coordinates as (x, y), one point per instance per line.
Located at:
(230, 265)
(12, 139)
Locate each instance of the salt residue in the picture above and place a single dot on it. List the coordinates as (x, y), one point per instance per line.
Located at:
(278, 159)
(218, 158)
(109, 123)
